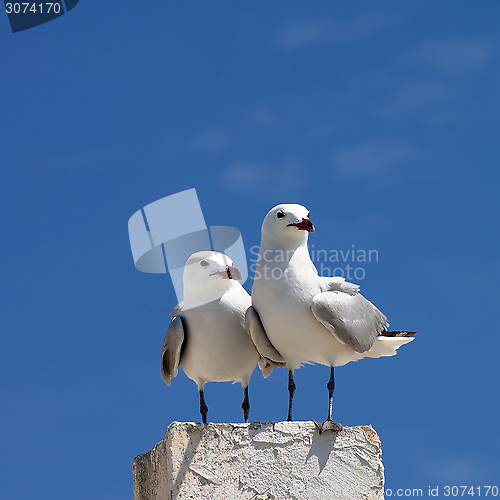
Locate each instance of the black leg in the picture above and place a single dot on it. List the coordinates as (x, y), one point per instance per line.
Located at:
(245, 406)
(291, 390)
(329, 424)
(331, 387)
(203, 407)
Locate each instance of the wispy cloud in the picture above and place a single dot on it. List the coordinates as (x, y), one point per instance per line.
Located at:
(453, 56)
(427, 100)
(263, 177)
(460, 470)
(264, 117)
(210, 141)
(440, 91)
(301, 34)
(321, 130)
(245, 174)
(372, 157)
(258, 124)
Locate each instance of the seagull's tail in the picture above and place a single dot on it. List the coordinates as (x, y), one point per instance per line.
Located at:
(397, 334)
(387, 343)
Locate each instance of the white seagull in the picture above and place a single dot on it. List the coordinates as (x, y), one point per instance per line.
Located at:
(300, 317)
(207, 334)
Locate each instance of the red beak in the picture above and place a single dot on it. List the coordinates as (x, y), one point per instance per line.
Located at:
(231, 273)
(304, 225)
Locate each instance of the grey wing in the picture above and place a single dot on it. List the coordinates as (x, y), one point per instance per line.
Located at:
(171, 350)
(338, 284)
(270, 356)
(351, 318)
(177, 309)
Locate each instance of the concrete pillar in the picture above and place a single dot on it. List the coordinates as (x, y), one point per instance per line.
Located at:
(261, 461)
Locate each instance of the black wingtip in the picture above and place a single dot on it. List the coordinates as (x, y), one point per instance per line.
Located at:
(397, 334)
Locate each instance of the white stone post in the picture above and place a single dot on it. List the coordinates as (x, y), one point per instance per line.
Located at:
(261, 461)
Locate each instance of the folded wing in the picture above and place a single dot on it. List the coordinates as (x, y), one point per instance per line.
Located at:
(171, 350)
(352, 319)
(271, 357)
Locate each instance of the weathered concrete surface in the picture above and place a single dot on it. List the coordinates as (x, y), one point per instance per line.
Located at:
(261, 461)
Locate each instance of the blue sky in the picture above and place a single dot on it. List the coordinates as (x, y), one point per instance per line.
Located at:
(380, 117)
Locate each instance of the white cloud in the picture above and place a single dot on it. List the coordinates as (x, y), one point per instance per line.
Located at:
(244, 174)
(460, 470)
(439, 94)
(435, 88)
(263, 117)
(264, 177)
(373, 157)
(453, 56)
(211, 141)
(301, 34)
(423, 99)
(319, 131)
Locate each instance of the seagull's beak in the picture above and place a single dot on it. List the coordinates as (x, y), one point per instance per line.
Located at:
(303, 225)
(233, 273)
(230, 273)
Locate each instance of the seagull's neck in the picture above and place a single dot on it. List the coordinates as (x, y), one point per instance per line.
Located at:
(196, 297)
(283, 255)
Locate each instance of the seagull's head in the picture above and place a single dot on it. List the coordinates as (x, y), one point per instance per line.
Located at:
(209, 274)
(288, 224)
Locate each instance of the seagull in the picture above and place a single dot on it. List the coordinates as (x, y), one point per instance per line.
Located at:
(299, 317)
(207, 334)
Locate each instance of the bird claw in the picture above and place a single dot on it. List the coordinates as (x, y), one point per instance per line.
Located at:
(328, 425)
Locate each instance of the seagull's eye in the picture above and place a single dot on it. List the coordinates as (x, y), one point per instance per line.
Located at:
(280, 214)
(203, 263)
(308, 214)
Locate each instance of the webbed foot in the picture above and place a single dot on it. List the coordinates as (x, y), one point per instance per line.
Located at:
(328, 425)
